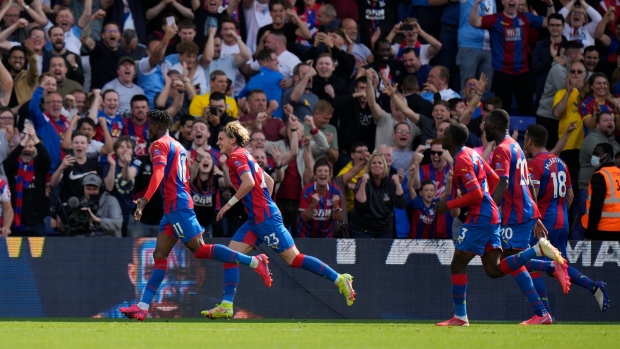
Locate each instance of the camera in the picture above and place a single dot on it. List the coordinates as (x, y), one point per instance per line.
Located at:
(72, 216)
(214, 111)
(406, 27)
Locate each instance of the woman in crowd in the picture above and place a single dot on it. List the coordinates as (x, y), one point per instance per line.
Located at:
(596, 97)
(376, 195)
(576, 27)
(205, 188)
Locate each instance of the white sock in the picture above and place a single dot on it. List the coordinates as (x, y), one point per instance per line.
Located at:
(537, 250)
(254, 263)
(143, 306)
(337, 281)
(464, 318)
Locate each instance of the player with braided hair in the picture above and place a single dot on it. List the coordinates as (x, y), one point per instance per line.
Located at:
(179, 222)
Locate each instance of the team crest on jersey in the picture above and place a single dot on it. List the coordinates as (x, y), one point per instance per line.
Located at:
(469, 176)
(329, 202)
(386, 197)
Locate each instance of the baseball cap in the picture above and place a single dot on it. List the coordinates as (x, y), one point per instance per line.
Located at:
(92, 179)
(125, 59)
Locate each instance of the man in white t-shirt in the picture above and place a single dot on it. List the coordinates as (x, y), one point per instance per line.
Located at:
(286, 60)
(256, 15)
(212, 60)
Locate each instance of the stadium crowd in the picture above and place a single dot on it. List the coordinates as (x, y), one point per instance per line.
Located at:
(346, 100)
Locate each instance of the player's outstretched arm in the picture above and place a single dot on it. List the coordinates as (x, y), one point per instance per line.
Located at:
(247, 183)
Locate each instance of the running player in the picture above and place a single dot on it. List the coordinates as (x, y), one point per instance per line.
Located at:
(519, 211)
(264, 222)
(552, 186)
(179, 222)
(479, 234)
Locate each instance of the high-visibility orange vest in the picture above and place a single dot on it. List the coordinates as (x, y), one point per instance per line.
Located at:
(610, 215)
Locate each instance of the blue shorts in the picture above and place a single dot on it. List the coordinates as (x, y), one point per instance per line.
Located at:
(478, 239)
(271, 231)
(181, 224)
(518, 236)
(559, 239)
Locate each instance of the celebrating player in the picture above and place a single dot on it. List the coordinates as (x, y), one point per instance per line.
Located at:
(479, 234)
(552, 185)
(179, 222)
(520, 215)
(264, 221)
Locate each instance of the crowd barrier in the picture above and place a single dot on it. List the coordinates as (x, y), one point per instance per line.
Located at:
(394, 279)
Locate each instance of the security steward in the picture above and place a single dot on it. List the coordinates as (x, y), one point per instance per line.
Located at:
(602, 218)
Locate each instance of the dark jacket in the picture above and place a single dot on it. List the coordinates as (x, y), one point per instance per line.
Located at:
(34, 201)
(376, 215)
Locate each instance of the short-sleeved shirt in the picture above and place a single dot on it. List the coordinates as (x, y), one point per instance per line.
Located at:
(425, 224)
(258, 203)
(174, 188)
(509, 40)
(517, 205)
(470, 173)
(104, 62)
(551, 177)
(304, 106)
(320, 225)
(570, 115)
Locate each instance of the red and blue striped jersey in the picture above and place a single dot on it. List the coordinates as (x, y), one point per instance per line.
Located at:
(257, 202)
(438, 177)
(321, 224)
(517, 205)
(115, 126)
(425, 224)
(175, 186)
(551, 177)
(509, 40)
(139, 134)
(470, 172)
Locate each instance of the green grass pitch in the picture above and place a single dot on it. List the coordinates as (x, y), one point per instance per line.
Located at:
(311, 334)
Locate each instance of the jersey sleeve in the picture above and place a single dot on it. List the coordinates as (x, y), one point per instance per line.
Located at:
(535, 173)
(487, 22)
(239, 162)
(558, 96)
(464, 171)
(535, 21)
(159, 153)
(501, 162)
(304, 200)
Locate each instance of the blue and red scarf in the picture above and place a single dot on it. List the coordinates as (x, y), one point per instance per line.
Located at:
(25, 176)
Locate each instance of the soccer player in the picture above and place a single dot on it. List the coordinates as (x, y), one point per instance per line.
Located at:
(264, 222)
(479, 234)
(552, 186)
(179, 222)
(520, 215)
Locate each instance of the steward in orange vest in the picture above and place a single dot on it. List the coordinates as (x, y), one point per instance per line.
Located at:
(602, 217)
